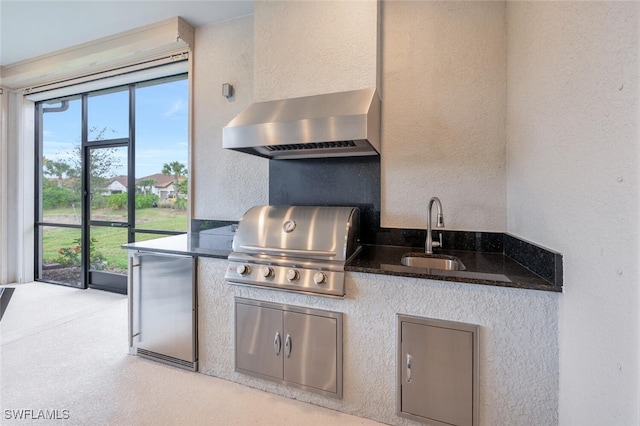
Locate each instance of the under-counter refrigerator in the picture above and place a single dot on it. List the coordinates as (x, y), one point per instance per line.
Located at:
(163, 308)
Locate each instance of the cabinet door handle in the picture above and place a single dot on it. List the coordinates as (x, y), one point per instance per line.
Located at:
(287, 346)
(277, 343)
(409, 359)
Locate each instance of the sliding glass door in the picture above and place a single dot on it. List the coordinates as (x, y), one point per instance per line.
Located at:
(101, 182)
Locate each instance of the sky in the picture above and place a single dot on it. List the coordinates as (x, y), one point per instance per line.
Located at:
(161, 125)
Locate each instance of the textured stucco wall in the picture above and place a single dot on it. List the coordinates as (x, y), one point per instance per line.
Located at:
(324, 47)
(573, 127)
(442, 79)
(311, 47)
(563, 79)
(225, 183)
(518, 341)
(443, 115)
(4, 188)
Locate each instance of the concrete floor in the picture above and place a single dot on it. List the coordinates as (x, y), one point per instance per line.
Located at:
(64, 354)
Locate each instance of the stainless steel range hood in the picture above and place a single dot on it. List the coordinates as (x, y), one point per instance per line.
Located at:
(339, 124)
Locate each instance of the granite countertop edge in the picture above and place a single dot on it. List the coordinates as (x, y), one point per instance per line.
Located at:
(493, 269)
(374, 259)
(464, 280)
(187, 244)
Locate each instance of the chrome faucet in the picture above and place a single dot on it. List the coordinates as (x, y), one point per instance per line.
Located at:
(430, 244)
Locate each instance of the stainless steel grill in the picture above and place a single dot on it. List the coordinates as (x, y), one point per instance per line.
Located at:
(294, 248)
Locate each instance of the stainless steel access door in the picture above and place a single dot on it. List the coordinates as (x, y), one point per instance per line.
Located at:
(438, 371)
(166, 308)
(292, 345)
(259, 341)
(311, 350)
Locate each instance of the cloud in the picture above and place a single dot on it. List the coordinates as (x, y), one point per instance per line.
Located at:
(177, 106)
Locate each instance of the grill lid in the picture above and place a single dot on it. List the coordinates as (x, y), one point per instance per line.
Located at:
(321, 233)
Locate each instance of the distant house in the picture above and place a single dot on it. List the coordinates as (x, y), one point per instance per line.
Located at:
(116, 185)
(162, 186)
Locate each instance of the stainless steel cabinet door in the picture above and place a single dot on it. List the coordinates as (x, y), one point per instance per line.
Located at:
(437, 373)
(295, 346)
(167, 306)
(259, 341)
(311, 349)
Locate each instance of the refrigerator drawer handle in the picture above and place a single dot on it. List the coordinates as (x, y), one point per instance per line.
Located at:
(130, 292)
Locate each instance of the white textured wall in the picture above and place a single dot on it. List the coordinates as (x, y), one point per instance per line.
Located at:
(573, 128)
(4, 188)
(225, 183)
(518, 341)
(443, 114)
(565, 74)
(312, 47)
(443, 86)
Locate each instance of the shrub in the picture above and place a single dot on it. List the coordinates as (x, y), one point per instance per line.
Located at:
(54, 197)
(70, 256)
(96, 258)
(98, 201)
(166, 204)
(180, 203)
(117, 201)
(146, 201)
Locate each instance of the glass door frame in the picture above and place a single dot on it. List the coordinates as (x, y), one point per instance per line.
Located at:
(39, 223)
(89, 278)
(99, 279)
(93, 279)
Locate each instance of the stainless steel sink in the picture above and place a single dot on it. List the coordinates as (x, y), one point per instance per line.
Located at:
(432, 261)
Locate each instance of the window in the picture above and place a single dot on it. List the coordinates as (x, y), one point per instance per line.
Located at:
(112, 169)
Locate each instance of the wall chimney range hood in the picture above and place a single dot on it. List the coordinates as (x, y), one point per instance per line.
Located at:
(343, 124)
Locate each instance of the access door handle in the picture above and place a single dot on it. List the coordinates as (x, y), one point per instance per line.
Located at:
(287, 346)
(409, 360)
(277, 343)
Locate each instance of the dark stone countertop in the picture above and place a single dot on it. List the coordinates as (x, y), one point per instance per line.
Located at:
(485, 268)
(482, 267)
(214, 243)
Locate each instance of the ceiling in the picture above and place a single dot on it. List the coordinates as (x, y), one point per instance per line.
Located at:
(32, 28)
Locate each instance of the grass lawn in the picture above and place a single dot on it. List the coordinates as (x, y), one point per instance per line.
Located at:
(108, 240)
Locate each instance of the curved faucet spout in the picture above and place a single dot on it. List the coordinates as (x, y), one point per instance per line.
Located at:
(429, 244)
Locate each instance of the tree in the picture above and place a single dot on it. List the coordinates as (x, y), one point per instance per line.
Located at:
(57, 169)
(103, 163)
(177, 170)
(146, 185)
(183, 186)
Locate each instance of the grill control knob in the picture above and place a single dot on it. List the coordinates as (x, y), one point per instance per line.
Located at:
(293, 275)
(266, 271)
(243, 270)
(320, 278)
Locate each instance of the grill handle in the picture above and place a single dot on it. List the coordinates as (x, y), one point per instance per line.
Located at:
(297, 252)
